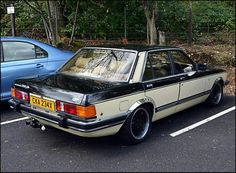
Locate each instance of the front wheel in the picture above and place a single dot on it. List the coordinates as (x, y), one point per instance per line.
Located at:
(136, 128)
(216, 95)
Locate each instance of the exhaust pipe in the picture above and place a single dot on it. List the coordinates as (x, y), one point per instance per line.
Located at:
(43, 128)
(35, 124)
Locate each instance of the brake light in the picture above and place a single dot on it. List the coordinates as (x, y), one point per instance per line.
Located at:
(18, 94)
(81, 111)
(21, 95)
(69, 108)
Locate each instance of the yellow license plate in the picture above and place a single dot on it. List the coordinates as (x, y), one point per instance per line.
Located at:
(43, 103)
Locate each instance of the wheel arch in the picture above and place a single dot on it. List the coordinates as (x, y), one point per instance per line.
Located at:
(146, 102)
(218, 80)
(209, 100)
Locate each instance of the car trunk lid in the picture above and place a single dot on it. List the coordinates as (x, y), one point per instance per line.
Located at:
(72, 89)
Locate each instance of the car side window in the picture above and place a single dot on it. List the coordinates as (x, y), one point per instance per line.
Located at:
(40, 53)
(157, 66)
(182, 63)
(14, 51)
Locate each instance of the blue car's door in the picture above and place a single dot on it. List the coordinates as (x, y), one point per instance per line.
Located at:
(20, 59)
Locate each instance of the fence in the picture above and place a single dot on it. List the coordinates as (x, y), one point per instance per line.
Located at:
(133, 35)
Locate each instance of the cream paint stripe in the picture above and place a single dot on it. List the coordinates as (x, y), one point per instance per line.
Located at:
(202, 122)
(15, 120)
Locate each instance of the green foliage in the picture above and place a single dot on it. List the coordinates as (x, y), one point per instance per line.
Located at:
(213, 16)
(26, 20)
(105, 18)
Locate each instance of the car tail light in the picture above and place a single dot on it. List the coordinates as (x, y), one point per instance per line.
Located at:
(70, 109)
(21, 95)
(80, 111)
(86, 111)
(13, 92)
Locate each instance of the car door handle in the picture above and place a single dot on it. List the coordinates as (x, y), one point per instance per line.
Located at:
(149, 85)
(182, 78)
(39, 65)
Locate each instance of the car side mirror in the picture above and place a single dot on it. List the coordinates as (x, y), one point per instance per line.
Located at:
(202, 67)
(191, 73)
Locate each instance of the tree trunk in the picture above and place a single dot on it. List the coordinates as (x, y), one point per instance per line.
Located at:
(51, 24)
(74, 24)
(47, 31)
(53, 15)
(151, 14)
(148, 34)
(153, 31)
(162, 38)
(190, 37)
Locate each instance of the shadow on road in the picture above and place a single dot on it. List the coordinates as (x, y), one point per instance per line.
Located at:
(4, 106)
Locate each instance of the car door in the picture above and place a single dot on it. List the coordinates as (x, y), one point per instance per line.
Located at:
(160, 83)
(20, 59)
(192, 86)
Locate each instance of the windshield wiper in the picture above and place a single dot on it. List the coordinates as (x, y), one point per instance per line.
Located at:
(114, 55)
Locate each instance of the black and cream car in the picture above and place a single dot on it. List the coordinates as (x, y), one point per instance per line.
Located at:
(122, 89)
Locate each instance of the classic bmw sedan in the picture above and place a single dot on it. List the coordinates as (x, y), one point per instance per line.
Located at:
(120, 90)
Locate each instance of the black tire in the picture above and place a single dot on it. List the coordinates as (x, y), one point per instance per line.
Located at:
(216, 96)
(137, 126)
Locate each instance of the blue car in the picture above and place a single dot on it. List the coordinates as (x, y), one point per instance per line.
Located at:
(24, 57)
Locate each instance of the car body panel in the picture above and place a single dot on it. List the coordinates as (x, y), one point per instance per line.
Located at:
(115, 101)
(12, 70)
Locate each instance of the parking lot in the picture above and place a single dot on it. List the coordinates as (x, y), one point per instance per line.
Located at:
(176, 143)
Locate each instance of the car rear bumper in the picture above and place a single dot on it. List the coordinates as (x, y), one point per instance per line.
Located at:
(81, 128)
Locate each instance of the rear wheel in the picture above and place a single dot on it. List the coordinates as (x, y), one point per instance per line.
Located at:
(216, 95)
(136, 128)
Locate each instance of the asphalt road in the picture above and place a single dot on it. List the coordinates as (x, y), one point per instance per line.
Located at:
(209, 147)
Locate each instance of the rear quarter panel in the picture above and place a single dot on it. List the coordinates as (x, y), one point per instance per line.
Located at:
(56, 59)
(210, 80)
(111, 108)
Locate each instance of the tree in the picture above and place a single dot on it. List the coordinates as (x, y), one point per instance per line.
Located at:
(150, 11)
(190, 37)
(74, 23)
(52, 19)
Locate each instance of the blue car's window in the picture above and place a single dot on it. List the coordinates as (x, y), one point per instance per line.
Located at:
(40, 53)
(14, 51)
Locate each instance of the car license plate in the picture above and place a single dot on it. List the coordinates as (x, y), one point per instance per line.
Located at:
(43, 103)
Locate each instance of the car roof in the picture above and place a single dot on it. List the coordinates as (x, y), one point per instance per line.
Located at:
(32, 41)
(137, 47)
(10, 38)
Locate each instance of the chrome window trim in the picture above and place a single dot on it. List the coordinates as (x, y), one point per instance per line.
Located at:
(161, 78)
(167, 50)
(146, 55)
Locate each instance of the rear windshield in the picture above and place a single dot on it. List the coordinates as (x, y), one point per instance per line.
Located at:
(104, 64)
